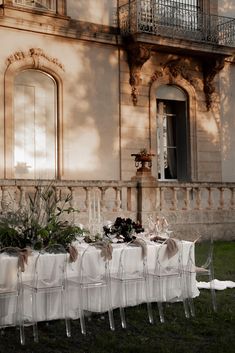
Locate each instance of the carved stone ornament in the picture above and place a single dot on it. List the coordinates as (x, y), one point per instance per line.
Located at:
(211, 67)
(137, 55)
(179, 67)
(156, 75)
(36, 54)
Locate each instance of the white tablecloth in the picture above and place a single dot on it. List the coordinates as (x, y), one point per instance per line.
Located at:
(94, 264)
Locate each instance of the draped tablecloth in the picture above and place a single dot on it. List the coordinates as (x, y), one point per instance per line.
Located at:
(93, 265)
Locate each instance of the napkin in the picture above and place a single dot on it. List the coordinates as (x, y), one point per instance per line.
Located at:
(23, 255)
(171, 247)
(142, 243)
(73, 253)
(106, 249)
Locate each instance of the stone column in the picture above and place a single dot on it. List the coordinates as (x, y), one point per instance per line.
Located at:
(146, 194)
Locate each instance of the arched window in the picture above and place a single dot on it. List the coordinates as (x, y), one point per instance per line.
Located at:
(172, 133)
(34, 126)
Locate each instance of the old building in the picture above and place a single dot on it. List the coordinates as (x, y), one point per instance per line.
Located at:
(87, 83)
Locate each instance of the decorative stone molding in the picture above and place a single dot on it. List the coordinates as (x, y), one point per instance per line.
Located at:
(174, 68)
(37, 55)
(137, 55)
(179, 67)
(210, 69)
(182, 67)
(156, 75)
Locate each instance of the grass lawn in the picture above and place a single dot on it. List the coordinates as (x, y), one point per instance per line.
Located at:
(208, 332)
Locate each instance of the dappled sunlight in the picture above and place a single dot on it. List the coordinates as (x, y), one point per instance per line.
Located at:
(226, 140)
(227, 8)
(93, 11)
(113, 59)
(91, 130)
(134, 126)
(209, 125)
(227, 119)
(116, 146)
(35, 125)
(135, 119)
(87, 147)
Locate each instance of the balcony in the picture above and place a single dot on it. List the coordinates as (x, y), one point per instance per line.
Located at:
(160, 21)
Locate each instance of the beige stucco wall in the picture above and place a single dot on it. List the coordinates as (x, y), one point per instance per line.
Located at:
(227, 87)
(101, 11)
(226, 8)
(90, 114)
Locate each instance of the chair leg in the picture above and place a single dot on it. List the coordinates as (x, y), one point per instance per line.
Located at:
(147, 296)
(123, 303)
(161, 299)
(188, 306)
(66, 312)
(212, 289)
(81, 311)
(123, 317)
(110, 309)
(150, 313)
(20, 317)
(186, 294)
(22, 336)
(191, 307)
(186, 280)
(213, 297)
(111, 320)
(160, 311)
(34, 317)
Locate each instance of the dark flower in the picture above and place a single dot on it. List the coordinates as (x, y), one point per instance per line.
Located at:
(124, 228)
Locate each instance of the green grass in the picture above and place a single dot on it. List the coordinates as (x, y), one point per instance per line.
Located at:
(208, 332)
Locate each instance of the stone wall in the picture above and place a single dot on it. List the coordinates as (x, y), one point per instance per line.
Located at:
(86, 76)
(139, 120)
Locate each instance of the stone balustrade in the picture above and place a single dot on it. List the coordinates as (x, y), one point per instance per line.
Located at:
(195, 196)
(188, 207)
(116, 198)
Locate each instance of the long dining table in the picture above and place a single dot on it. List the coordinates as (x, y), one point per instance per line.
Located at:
(94, 264)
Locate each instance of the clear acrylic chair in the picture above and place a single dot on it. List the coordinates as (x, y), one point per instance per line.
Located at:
(167, 280)
(131, 281)
(47, 288)
(11, 303)
(91, 282)
(200, 264)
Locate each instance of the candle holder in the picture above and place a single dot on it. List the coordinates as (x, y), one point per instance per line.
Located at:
(143, 161)
(94, 213)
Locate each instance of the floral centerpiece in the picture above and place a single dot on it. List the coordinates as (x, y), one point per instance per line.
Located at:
(124, 229)
(40, 223)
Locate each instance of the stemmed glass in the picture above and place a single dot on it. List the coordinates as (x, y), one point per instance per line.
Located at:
(158, 227)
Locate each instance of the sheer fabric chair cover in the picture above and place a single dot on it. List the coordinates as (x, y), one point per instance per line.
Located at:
(132, 281)
(201, 265)
(167, 276)
(48, 286)
(92, 285)
(11, 301)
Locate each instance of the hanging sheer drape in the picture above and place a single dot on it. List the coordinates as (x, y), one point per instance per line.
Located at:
(171, 149)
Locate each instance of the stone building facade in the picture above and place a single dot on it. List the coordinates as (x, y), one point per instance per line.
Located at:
(86, 84)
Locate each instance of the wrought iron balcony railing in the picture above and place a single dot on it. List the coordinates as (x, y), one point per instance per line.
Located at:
(176, 19)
